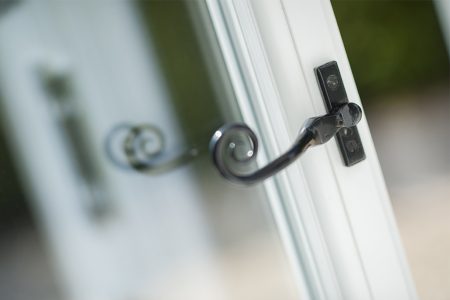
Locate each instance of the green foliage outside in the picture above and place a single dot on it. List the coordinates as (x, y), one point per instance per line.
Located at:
(392, 45)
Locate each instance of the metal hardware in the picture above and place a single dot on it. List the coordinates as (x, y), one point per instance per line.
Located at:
(333, 92)
(237, 144)
(143, 148)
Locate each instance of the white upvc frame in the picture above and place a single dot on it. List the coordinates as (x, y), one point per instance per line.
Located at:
(443, 10)
(337, 222)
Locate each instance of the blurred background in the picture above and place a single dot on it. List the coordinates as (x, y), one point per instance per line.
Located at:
(124, 96)
(400, 62)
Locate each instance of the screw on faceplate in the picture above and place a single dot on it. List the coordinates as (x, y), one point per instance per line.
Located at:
(333, 82)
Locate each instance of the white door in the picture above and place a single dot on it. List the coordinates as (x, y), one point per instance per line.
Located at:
(110, 106)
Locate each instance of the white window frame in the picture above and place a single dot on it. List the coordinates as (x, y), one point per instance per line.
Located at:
(443, 10)
(337, 222)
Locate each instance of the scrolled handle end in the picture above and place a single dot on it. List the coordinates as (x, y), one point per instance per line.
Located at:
(234, 144)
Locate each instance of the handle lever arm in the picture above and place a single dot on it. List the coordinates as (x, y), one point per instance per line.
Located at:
(315, 131)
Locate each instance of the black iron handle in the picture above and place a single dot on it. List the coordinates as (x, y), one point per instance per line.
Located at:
(236, 144)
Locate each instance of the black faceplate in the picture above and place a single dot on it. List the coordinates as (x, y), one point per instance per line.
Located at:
(334, 95)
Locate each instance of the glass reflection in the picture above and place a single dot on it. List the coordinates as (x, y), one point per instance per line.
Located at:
(152, 69)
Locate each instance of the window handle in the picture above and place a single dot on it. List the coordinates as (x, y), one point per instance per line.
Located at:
(235, 145)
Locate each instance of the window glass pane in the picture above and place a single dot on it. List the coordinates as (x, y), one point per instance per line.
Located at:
(118, 101)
